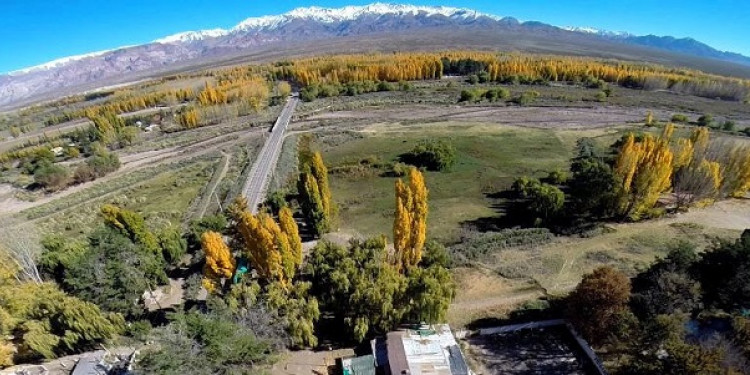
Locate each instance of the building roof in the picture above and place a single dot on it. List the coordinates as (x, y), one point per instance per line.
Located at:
(364, 365)
(430, 351)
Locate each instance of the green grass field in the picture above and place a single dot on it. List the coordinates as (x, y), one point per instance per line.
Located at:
(163, 198)
(489, 158)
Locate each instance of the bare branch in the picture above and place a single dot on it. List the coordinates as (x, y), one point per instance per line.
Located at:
(21, 242)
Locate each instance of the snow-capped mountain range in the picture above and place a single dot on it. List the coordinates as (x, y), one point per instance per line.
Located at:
(385, 26)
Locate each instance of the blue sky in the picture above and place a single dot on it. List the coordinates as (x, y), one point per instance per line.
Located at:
(36, 31)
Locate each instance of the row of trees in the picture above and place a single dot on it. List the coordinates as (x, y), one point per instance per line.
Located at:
(508, 68)
(659, 322)
(640, 177)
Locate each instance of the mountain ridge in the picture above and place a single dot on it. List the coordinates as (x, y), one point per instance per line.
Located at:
(314, 24)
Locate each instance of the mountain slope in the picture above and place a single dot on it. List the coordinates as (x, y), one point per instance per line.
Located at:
(384, 27)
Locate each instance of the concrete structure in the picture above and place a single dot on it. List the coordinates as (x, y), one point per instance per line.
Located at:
(428, 350)
(257, 182)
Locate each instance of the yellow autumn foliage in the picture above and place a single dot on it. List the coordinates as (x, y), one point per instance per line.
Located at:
(644, 170)
(290, 228)
(410, 221)
(220, 263)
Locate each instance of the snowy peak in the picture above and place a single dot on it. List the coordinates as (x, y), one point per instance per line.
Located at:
(350, 13)
(327, 16)
(192, 36)
(591, 30)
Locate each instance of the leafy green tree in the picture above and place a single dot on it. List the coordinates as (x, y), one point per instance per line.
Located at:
(432, 290)
(297, 310)
(724, 274)
(275, 201)
(47, 323)
(114, 272)
(204, 344)
(358, 285)
(215, 223)
(591, 186)
(668, 287)
(729, 126)
(435, 155)
(664, 350)
(173, 244)
(367, 295)
(545, 201)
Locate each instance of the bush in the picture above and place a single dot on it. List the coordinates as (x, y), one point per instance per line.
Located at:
(497, 94)
(309, 93)
(557, 177)
(433, 155)
(522, 186)
(526, 98)
(729, 126)
(103, 163)
(680, 118)
(385, 86)
(473, 79)
(468, 96)
(601, 96)
(705, 120)
(51, 176)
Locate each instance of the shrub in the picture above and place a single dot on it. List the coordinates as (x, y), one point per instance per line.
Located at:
(680, 118)
(527, 98)
(468, 96)
(496, 94)
(557, 177)
(103, 163)
(729, 126)
(601, 96)
(705, 120)
(475, 246)
(83, 173)
(433, 155)
(522, 185)
(51, 176)
(473, 79)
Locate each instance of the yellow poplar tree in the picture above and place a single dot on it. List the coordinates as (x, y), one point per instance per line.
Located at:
(289, 226)
(737, 172)
(644, 170)
(410, 222)
(320, 172)
(219, 261)
(260, 246)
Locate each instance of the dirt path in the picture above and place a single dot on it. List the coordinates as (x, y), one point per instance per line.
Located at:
(226, 158)
(536, 117)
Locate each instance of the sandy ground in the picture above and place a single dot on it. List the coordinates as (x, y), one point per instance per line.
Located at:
(306, 362)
